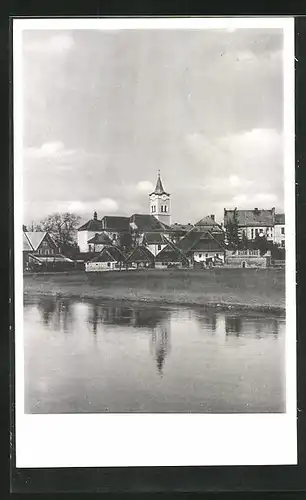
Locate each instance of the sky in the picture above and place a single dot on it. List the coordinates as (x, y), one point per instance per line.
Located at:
(105, 110)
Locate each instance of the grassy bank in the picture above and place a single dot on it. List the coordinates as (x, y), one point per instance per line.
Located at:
(239, 288)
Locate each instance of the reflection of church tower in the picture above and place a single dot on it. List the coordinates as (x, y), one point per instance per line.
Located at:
(160, 203)
(160, 344)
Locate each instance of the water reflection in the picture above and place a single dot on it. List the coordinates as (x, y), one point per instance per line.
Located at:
(150, 358)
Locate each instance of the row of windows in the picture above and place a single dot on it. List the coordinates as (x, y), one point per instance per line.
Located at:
(41, 251)
(206, 255)
(268, 231)
(163, 208)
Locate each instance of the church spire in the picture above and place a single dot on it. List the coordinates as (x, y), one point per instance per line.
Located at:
(159, 188)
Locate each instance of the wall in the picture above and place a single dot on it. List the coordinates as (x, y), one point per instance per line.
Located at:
(202, 256)
(279, 238)
(267, 231)
(100, 266)
(154, 249)
(164, 265)
(83, 237)
(250, 261)
(158, 202)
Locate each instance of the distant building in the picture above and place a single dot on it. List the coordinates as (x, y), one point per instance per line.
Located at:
(279, 230)
(251, 223)
(160, 203)
(247, 259)
(111, 258)
(140, 257)
(155, 242)
(87, 231)
(40, 252)
(98, 242)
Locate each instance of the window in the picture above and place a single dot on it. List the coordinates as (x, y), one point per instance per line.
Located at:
(252, 233)
(283, 230)
(282, 243)
(108, 264)
(165, 208)
(90, 248)
(152, 208)
(158, 247)
(206, 255)
(256, 232)
(162, 208)
(200, 255)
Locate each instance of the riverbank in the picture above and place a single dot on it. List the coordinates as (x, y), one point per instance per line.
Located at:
(258, 289)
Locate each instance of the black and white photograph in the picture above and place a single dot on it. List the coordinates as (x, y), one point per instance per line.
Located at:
(154, 232)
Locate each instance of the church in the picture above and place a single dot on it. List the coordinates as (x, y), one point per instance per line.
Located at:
(151, 228)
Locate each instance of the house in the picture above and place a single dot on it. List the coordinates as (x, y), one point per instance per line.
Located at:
(98, 242)
(207, 249)
(247, 259)
(178, 231)
(279, 230)
(40, 252)
(111, 258)
(171, 256)
(209, 223)
(252, 222)
(140, 257)
(114, 225)
(88, 231)
(155, 242)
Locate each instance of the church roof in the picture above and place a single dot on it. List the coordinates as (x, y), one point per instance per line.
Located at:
(115, 223)
(91, 225)
(147, 223)
(159, 188)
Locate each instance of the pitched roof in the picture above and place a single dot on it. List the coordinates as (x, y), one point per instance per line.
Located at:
(100, 239)
(140, 254)
(27, 247)
(110, 254)
(147, 223)
(209, 222)
(159, 188)
(180, 227)
(155, 239)
(279, 218)
(91, 225)
(207, 244)
(171, 253)
(254, 217)
(116, 223)
(35, 238)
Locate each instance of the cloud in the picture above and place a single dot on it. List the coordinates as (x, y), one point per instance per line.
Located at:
(145, 186)
(49, 150)
(249, 200)
(56, 44)
(107, 205)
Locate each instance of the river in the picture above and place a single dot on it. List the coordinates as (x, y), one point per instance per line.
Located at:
(90, 356)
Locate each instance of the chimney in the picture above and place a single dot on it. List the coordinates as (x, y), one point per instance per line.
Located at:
(212, 217)
(95, 216)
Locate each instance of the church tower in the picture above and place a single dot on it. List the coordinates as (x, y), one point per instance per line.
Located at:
(160, 203)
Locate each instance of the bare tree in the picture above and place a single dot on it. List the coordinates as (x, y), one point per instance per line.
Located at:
(62, 228)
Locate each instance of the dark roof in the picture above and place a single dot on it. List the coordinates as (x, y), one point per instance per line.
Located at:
(91, 225)
(115, 223)
(147, 223)
(100, 239)
(171, 253)
(255, 217)
(159, 188)
(279, 218)
(181, 227)
(110, 254)
(197, 240)
(155, 239)
(209, 223)
(140, 254)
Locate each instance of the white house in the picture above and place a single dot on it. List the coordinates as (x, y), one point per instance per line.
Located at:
(155, 242)
(89, 231)
(279, 229)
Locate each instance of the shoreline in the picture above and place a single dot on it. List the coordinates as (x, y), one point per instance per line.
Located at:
(220, 305)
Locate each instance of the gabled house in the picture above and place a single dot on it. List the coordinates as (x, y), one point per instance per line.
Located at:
(40, 252)
(155, 242)
(98, 242)
(140, 257)
(207, 249)
(171, 256)
(88, 231)
(111, 258)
